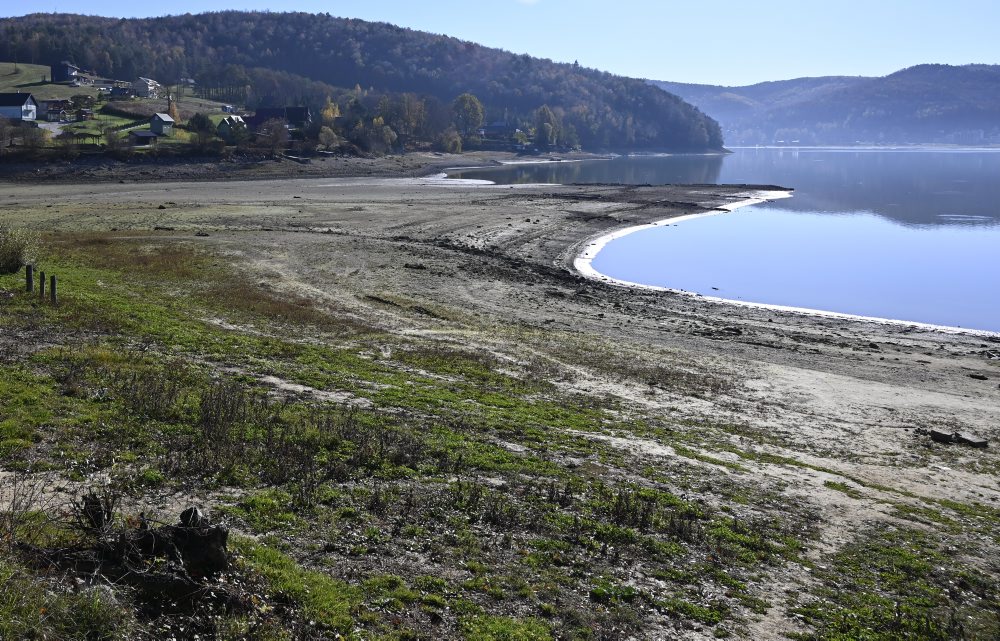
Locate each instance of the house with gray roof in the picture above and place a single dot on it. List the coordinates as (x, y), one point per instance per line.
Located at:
(19, 107)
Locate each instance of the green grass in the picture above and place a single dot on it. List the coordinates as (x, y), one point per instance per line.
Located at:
(491, 628)
(31, 609)
(459, 456)
(28, 79)
(898, 585)
(322, 599)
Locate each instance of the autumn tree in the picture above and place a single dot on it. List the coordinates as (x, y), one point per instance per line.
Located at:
(449, 141)
(547, 127)
(468, 113)
(172, 110)
(405, 113)
(330, 112)
(328, 138)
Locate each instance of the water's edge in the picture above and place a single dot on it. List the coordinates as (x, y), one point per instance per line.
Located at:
(583, 264)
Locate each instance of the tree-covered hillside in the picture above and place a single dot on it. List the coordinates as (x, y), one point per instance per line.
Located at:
(285, 58)
(921, 104)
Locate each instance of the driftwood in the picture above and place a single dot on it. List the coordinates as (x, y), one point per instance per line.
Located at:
(194, 549)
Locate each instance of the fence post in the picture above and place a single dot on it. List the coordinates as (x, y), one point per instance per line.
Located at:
(41, 285)
(29, 278)
(52, 290)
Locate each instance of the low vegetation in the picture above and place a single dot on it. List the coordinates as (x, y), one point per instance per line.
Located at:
(381, 486)
(17, 249)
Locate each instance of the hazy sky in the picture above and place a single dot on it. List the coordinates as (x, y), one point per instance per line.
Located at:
(730, 42)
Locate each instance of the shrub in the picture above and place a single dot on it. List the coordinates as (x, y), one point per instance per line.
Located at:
(17, 248)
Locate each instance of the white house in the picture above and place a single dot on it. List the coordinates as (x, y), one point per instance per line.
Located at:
(228, 127)
(146, 88)
(19, 107)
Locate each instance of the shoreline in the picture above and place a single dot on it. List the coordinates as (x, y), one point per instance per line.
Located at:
(583, 264)
(707, 394)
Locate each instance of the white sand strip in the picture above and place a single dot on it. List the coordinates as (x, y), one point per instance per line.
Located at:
(584, 264)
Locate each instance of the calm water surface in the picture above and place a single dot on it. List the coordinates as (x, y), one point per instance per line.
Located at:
(905, 234)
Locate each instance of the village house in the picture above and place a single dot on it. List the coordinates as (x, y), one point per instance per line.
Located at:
(161, 125)
(64, 71)
(295, 117)
(142, 137)
(19, 107)
(146, 88)
(57, 110)
(229, 126)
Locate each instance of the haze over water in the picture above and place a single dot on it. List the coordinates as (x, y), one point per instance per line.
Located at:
(905, 234)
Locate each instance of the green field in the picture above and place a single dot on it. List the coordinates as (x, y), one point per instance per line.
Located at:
(34, 79)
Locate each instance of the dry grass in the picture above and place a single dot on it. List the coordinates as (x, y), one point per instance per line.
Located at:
(17, 248)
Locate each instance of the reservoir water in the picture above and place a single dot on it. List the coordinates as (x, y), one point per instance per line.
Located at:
(910, 234)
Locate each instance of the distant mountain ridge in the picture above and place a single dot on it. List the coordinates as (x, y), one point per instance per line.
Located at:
(922, 104)
(295, 58)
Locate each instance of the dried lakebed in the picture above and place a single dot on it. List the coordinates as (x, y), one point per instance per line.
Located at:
(790, 439)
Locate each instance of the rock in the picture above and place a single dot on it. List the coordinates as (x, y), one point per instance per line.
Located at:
(979, 377)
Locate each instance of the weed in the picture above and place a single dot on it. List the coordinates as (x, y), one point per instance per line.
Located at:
(17, 248)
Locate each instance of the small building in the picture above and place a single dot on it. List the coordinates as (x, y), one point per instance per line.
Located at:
(84, 114)
(56, 105)
(498, 130)
(142, 137)
(56, 115)
(65, 71)
(295, 117)
(19, 107)
(229, 126)
(146, 88)
(228, 109)
(161, 125)
(123, 92)
(298, 117)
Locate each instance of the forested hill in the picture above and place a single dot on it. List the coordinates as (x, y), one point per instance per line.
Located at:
(287, 58)
(921, 104)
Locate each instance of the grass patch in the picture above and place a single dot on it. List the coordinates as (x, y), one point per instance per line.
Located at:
(322, 599)
(896, 585)
(492, 628)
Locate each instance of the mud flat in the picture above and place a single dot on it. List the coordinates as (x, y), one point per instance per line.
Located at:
(824, 409)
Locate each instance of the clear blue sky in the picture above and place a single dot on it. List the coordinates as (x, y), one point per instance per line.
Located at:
(730, 42)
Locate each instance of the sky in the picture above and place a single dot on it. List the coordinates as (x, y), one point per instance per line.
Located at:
(723, 42)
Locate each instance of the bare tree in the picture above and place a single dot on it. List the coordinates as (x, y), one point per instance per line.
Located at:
(273, 135)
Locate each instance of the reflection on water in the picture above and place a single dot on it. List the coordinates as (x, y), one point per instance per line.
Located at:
(909, 186)
(638, 170)
(858, 264)
(906, 234)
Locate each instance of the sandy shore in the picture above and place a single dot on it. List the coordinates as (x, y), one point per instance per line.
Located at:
(494, 266)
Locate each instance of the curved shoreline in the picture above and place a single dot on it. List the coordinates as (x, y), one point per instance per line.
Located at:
(583, 264)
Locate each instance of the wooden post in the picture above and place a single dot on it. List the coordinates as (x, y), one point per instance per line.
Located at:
(41, 285)
(29, 278)
(52, 290)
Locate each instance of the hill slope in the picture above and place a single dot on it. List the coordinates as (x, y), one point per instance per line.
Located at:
(299, 57)
(926, 103)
